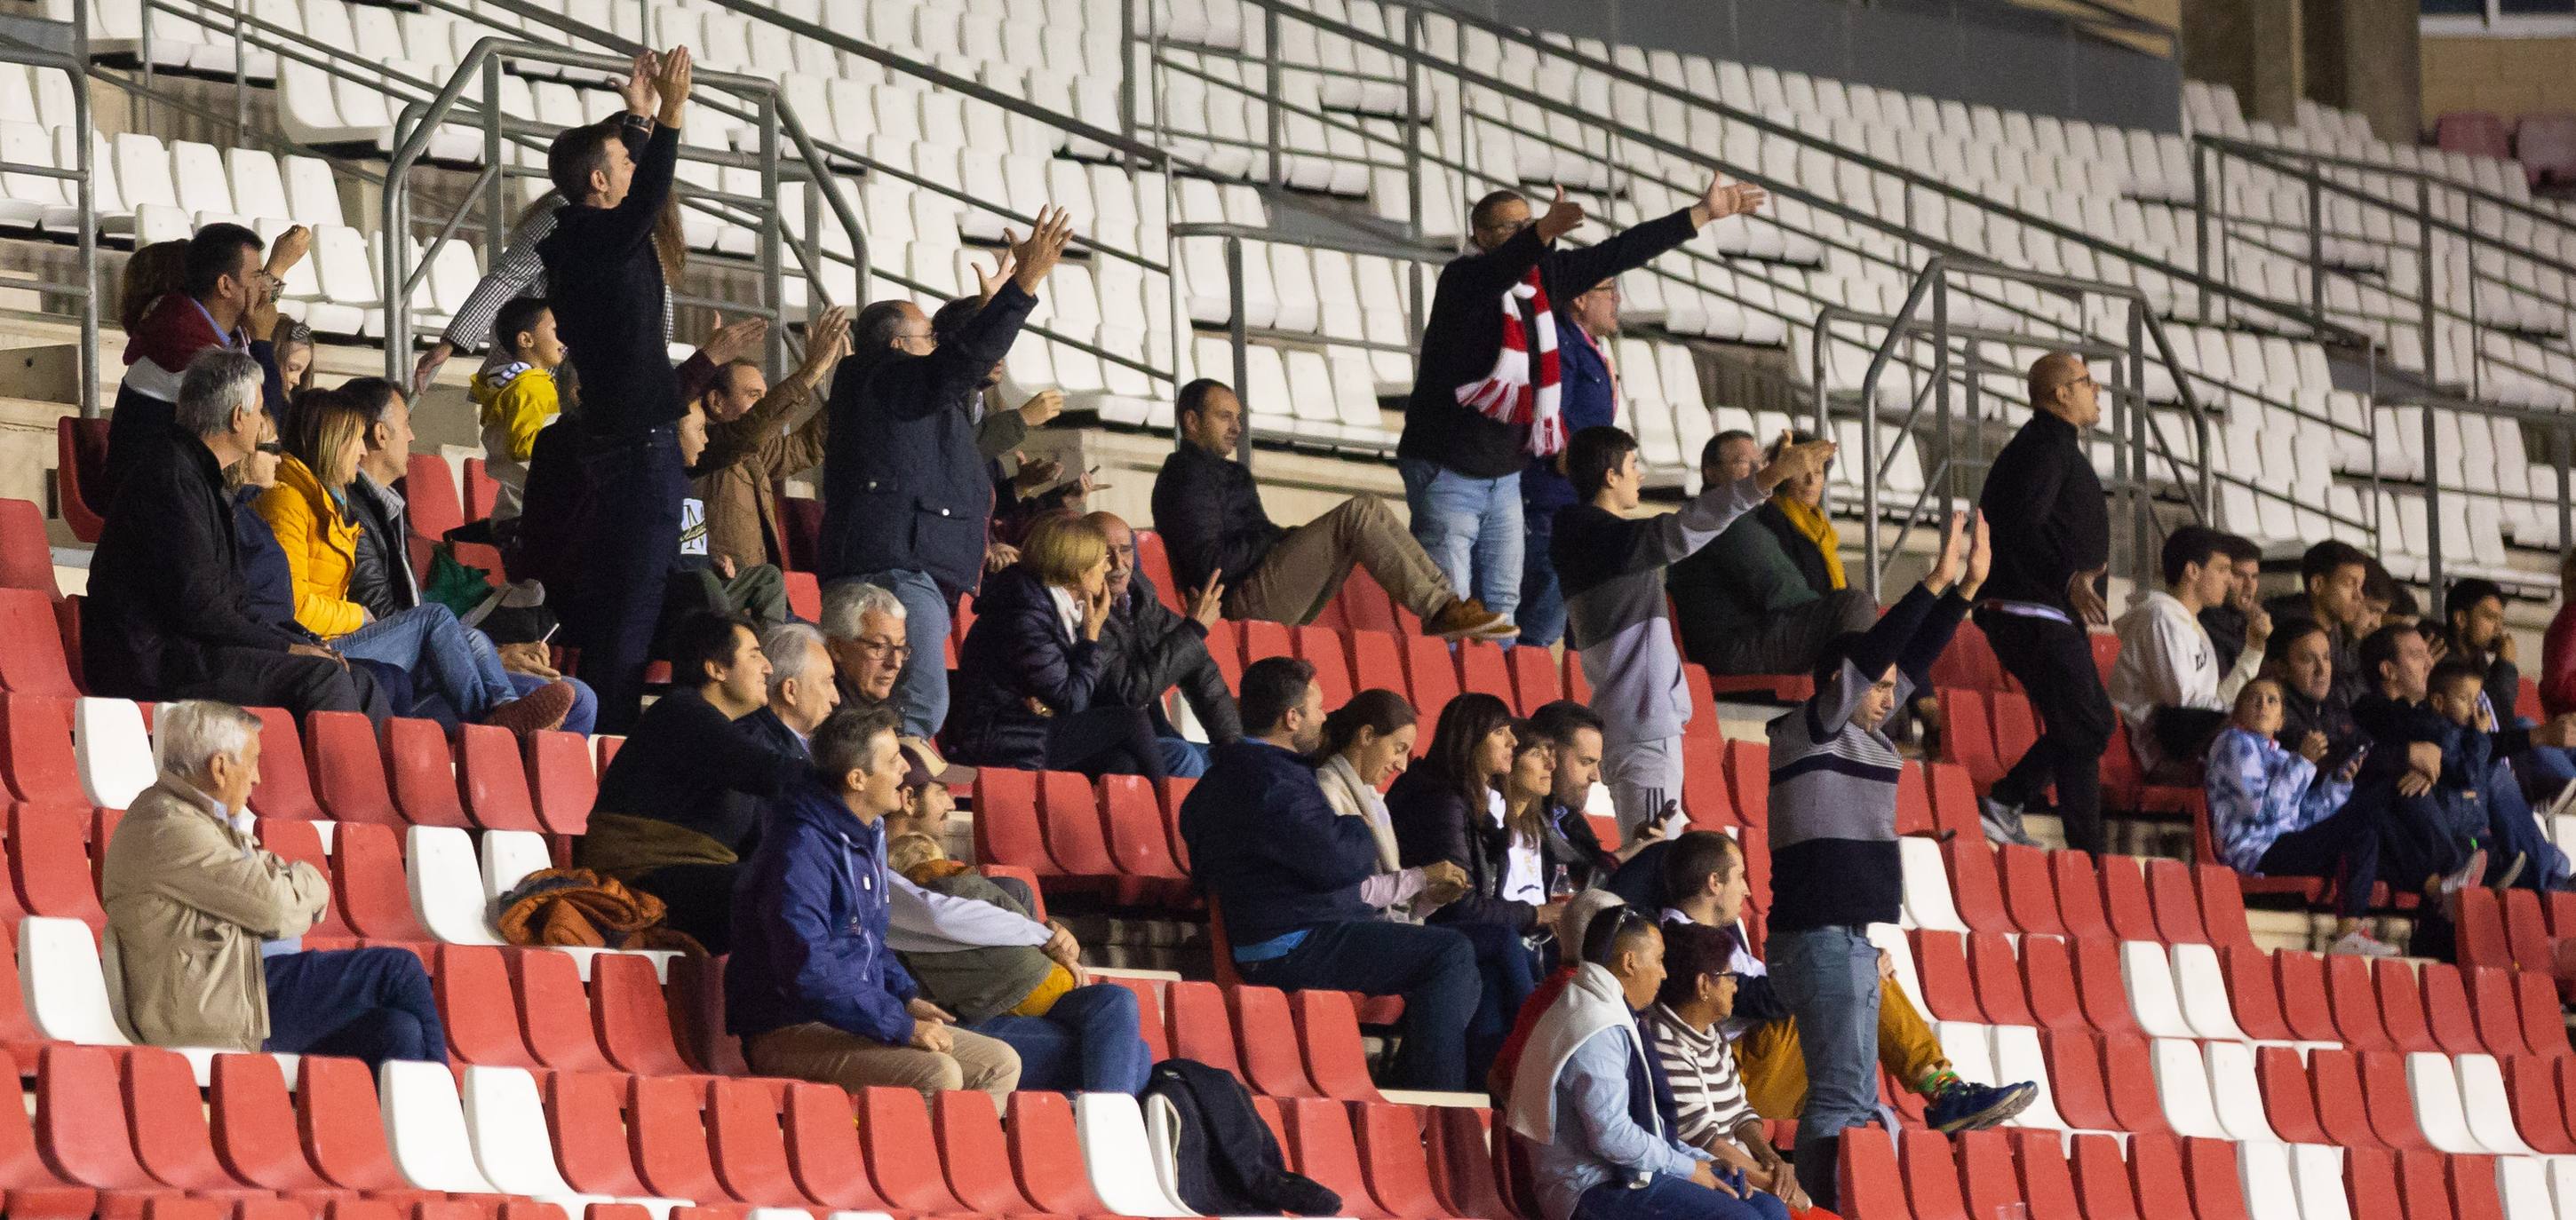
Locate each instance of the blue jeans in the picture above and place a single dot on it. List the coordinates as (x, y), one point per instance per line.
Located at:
(585, 701)
(428, 643)
(1434, 969)
(1665, 1197)
(1182, 758)
(370, 1004)
(1829, 979)
(1470, 528)
(921, 690)
(1508, 973)
(1088, 1042)
(1541, 617)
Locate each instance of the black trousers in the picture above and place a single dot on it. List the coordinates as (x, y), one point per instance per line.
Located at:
(2377, 836)
(696, 899)
(1791, 643)
(1104, 741)
(256, 677)
(2054, 663)
(630, 541)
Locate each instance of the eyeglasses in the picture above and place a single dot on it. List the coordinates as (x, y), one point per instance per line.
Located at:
(883, 648)
(272, 448)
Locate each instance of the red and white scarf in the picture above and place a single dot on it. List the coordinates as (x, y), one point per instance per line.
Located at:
(1522, 389)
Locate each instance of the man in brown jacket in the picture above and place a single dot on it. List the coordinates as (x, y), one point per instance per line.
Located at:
(207, 928)
(750, 448)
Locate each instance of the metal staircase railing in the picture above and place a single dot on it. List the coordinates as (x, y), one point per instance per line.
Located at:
(64, 47)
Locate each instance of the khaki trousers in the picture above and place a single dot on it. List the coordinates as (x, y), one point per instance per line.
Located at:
(815, 1051)
(1775, 1069)
(1305, 569)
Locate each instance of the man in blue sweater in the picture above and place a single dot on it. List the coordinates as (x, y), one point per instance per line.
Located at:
(1286, 871)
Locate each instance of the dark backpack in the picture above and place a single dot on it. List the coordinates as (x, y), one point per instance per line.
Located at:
(1227, 1163)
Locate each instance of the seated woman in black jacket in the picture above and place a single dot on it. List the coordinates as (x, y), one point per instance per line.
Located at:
(1452, 806)
(1029, 674)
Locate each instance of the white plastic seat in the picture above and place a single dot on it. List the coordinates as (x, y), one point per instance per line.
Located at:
(2488, 1106)
(2318, 1171)
(2263, 1172)
(2018, 1057)
(425, 1128)
(1119, 1158)
(2182, 1086)
(2233, 1093)
(113, 751)
(2522, 1183)
(447, 886)
(2435, 1085)
(64, 984)
(1927, 887)
(2149, 977)
(509, 856)
(2201, 987)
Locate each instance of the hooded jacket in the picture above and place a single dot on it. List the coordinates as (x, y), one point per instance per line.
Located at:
(809, 927)
(321, 545)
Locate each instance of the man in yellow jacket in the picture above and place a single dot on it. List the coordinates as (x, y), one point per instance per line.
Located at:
(207, 927)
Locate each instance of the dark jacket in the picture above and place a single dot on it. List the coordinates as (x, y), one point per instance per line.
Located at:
(1737, 585)
(1797, 547)
(2332, 716)
(1225, 1160)
(1016, 651)
(2226, 627)
(904, 487)
(2349, 682)
(1147, 649)
(380, 577)
(1589, 399)
(1211, 517)
(1434, 822)
(1465, 333)
(165, 586)
(604, 283)
(268, 584)
(686, 763)
(2044, 504)
(809, 918)
(1266, 845)
(766, 728)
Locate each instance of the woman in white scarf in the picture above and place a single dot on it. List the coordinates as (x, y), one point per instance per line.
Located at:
(1367, 742)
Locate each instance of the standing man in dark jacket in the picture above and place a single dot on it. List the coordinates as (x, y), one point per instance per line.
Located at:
(906, 499)
(1485, 390)
(1267, 848)
(1213, 524)
(604, 283)
(2052, 533)
(167, 616)
(1148, 649)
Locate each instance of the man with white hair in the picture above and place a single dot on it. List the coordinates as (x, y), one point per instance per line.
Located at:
(167, 616)
(863, 630)
(207, 927)
(802, 692)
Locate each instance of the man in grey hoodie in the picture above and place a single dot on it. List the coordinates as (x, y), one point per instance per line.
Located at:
(1610, 567)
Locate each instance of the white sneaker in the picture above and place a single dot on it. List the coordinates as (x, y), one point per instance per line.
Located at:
(2358, 943)
(2470, 874)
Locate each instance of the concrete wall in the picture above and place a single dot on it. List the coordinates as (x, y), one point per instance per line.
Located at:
(2365, 55)
(2509, 76)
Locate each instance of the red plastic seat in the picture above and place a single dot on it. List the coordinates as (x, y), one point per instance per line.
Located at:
(348, 769)
(1975, 889)
(494, 778)
(1941, 965)
(2101, 987)
(634, 1021)
(2253, 994)
(1047, 1157)
(1481, 669)
(1913, 800)
(590, 1127)
(2401, 1006)
(32, 660)
(667, 1129)
(2030, 897)
(2498, 1013)
(1462, 1163)
(2129, 1082)
(2334, 1079)
(2304, 1004)
(2446, 1010)
(1534, 679)
(1377, 663)
(1708, 800)
(2125, 901)
(823, 1148)
(2100, 1179)
(423, 773)
(80, 453)
(2539, 1108)
(36, 750)
(1954, 799)
(894, 1134)
(26, 558)
(1433, 674)
(1368, 608)
(974, 1154)
(1267, 1036)
(1987, 1172)
(1201, 1029)
(2217, 1193)
(2527, 931)
(343, 1127)
(1866, 1179)
(1169, 794)
(1006, 821)
(804, 595)
(1319, 1137)
(1705, 728)
(1997, 970)
(1929, 1172)
(2546, 144)
(2079, 895)
(2289, 1100)
(2222, 906)
(1069, 819)
(1393, 1155)
(367, 877)
(2075, 1078)
(1328, 1029)
(2473, 1188)
(2176, 901)
(254, 1126)
(1156, 561)
(285, 788)
(554, 1012)
(2370, 1184)
(1134, 822)
(475, 1006)
(167, 1122)
(2048, 975)
(2544, 1027)
(2480, 930)
(50, 861)
(561, 781)
(2156, 1173)
(2355, 1000)
(80, 1122)
(1262, 640)
(1322, 648)
(1748, 771)
(2423, 1188)
(2477, 132)
(2016, 726)
(2390, 1101)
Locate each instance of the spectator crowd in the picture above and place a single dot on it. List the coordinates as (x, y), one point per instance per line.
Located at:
(784, 800)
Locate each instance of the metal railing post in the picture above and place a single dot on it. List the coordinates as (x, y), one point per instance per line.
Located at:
(2316, 242)
(773, 280)
(2433, 508)
(1235, 333)
(2426, 272)
(84, 193)
(1271, 90)
(2201, 203)
(241, 78)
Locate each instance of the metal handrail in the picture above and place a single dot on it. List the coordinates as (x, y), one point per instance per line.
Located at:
(75, 64)
(2561, 430)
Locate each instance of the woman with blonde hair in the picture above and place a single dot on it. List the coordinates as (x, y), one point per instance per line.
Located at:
(1031, 664)
(308, 511)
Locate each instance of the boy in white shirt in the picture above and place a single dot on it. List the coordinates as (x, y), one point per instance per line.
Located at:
(2168, 684)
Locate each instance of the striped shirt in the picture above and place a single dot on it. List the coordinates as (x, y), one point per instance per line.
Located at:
(515, 273)
(1708, 1094)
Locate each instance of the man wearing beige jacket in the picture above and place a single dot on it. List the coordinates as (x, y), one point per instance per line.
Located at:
(207, 927)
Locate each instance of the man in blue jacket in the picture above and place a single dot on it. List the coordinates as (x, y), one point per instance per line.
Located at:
(906, 497)
(1268, 849)
(812, 990)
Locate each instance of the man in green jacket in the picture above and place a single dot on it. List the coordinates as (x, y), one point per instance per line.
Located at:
(1746, 605)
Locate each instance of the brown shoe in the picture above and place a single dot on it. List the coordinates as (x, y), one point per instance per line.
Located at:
(1467, 618)
(539, 709)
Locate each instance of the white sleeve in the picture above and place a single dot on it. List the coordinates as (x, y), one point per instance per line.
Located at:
(923, 921)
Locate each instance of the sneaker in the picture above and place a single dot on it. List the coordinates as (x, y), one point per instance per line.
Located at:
(2512, 872)
(2358, 943)
(2002, 823)
(1467, 618)
(1975, 1107)
(2470, 874)
(2563, 803)
(539, 709)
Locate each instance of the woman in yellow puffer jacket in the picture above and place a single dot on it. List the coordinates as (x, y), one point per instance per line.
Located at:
(308, 511)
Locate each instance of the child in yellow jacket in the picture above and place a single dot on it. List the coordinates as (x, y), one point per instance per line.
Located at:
(516, 392)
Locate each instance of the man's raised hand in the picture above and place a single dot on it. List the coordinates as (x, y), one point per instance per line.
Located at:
(1563, 216)
(1954, 554)
(989, 282)
(1045, 246)
(1981, 554)
(636, 87)
(1796, 461)
(1724, 199)
(733, 340)
(671, 79)
(1207, 604)
(827, 339)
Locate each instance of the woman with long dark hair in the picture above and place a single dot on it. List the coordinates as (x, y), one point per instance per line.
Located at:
(1367, 742)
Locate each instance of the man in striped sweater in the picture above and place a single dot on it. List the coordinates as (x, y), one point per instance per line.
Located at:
(1835, 869)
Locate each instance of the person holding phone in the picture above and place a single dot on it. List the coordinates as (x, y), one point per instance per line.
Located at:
(1031, 676)
(2274, 812)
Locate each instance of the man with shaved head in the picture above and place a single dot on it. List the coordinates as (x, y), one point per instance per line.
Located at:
(1146, 648)
(2052, 543)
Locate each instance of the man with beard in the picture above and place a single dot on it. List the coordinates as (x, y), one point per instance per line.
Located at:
(1148, 649)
